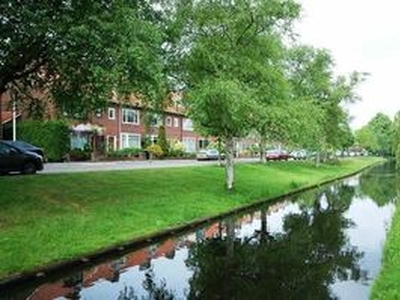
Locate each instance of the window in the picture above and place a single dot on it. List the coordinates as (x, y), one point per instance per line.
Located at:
(111, 113)
(187, 125)
(176, 122)
(190, 144)
(130, 116)
(168, 121)
(98, 113)
(130, 140)
(156, 120)
(202, 143)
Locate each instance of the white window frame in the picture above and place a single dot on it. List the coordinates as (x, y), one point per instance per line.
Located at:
(99, 113)
(111, 113)
(187, 125)
(112, 147)
(126, 135)
(176, 122)
(190, 144)
(135, 112)
(168, 121)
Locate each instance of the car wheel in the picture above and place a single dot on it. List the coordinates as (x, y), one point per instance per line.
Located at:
(29, 168)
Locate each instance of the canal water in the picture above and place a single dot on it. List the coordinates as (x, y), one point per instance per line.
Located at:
(325, 243)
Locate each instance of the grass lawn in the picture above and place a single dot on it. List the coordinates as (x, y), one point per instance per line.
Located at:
(387, 285)
(50, 218)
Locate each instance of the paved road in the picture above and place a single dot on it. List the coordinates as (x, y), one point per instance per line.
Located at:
(73, 167)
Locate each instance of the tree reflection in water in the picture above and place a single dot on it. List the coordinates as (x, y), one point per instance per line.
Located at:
(381, 184)
(301, 262)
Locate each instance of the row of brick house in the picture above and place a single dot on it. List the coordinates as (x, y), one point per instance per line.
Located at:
(122, 125)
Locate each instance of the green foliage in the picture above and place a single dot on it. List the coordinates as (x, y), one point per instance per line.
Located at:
(176, 149)
(310, 73)
(78, 154)
(52, 136)
(125, 153)
(162, 140)
(226, 99)
(155, 150)
(377, 135)
(81, 51)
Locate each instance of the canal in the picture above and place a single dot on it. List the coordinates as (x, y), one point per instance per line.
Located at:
(325, 243)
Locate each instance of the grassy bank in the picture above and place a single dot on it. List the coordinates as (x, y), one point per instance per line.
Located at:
(48, 218)
(387, 286)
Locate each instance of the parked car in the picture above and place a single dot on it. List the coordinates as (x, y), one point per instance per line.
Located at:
(18, 159)
(277, 154)
(26, 146)
(208, 154)
(298, 154)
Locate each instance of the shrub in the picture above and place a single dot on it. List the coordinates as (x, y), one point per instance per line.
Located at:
(125, 153)
(52, 136)
(162, 140)
(155, 150)
(79, 154)
(176, 149)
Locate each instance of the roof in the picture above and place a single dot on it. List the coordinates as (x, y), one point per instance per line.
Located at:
(172, 103)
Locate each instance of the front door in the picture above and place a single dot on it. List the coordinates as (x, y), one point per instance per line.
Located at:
(111, 143)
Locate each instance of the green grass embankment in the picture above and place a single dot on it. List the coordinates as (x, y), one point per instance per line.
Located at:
(387, 285)
(50, 218)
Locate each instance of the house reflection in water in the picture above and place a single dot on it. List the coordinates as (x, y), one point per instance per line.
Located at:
(110, 271)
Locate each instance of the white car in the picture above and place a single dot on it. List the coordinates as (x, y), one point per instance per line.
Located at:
(208, 154)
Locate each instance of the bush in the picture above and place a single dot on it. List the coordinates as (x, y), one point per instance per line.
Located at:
(52, 136)
(125, 153)
(176, 149)
(79, 154)
(155, 150)
(162, 140)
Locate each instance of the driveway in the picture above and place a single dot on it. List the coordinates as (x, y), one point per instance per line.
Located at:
(74, 167)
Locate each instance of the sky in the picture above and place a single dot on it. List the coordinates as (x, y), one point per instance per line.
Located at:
(364, 36)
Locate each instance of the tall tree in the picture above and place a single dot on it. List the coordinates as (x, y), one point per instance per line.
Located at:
(78, 52)
(381, 126)
(225, 47)
(310, 73)
(396, 139)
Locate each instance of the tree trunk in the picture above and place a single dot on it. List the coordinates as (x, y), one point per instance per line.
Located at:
(1, 114)
(262, 149)
(317, 158)
(2, 91)
(229, 165)
(219, 152)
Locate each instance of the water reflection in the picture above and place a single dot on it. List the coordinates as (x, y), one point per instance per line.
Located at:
(322, 244)
(300, 262)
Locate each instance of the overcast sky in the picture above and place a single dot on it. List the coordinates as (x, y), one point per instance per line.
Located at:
(362, 36)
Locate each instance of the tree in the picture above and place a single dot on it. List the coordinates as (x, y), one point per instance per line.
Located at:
(366, 138)
(79, 52)
(310, 73)
(381, 127)
(162, 140)
(224, 49)
(396, 139)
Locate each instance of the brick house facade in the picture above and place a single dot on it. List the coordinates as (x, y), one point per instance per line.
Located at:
(122, 124)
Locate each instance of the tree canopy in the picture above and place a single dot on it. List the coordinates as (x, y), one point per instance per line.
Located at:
(79, 52)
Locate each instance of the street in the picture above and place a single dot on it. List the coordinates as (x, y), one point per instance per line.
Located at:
(75, 167)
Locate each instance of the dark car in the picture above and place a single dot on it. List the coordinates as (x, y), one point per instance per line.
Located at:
(277, 154)
(17, 159)
(26, 146)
